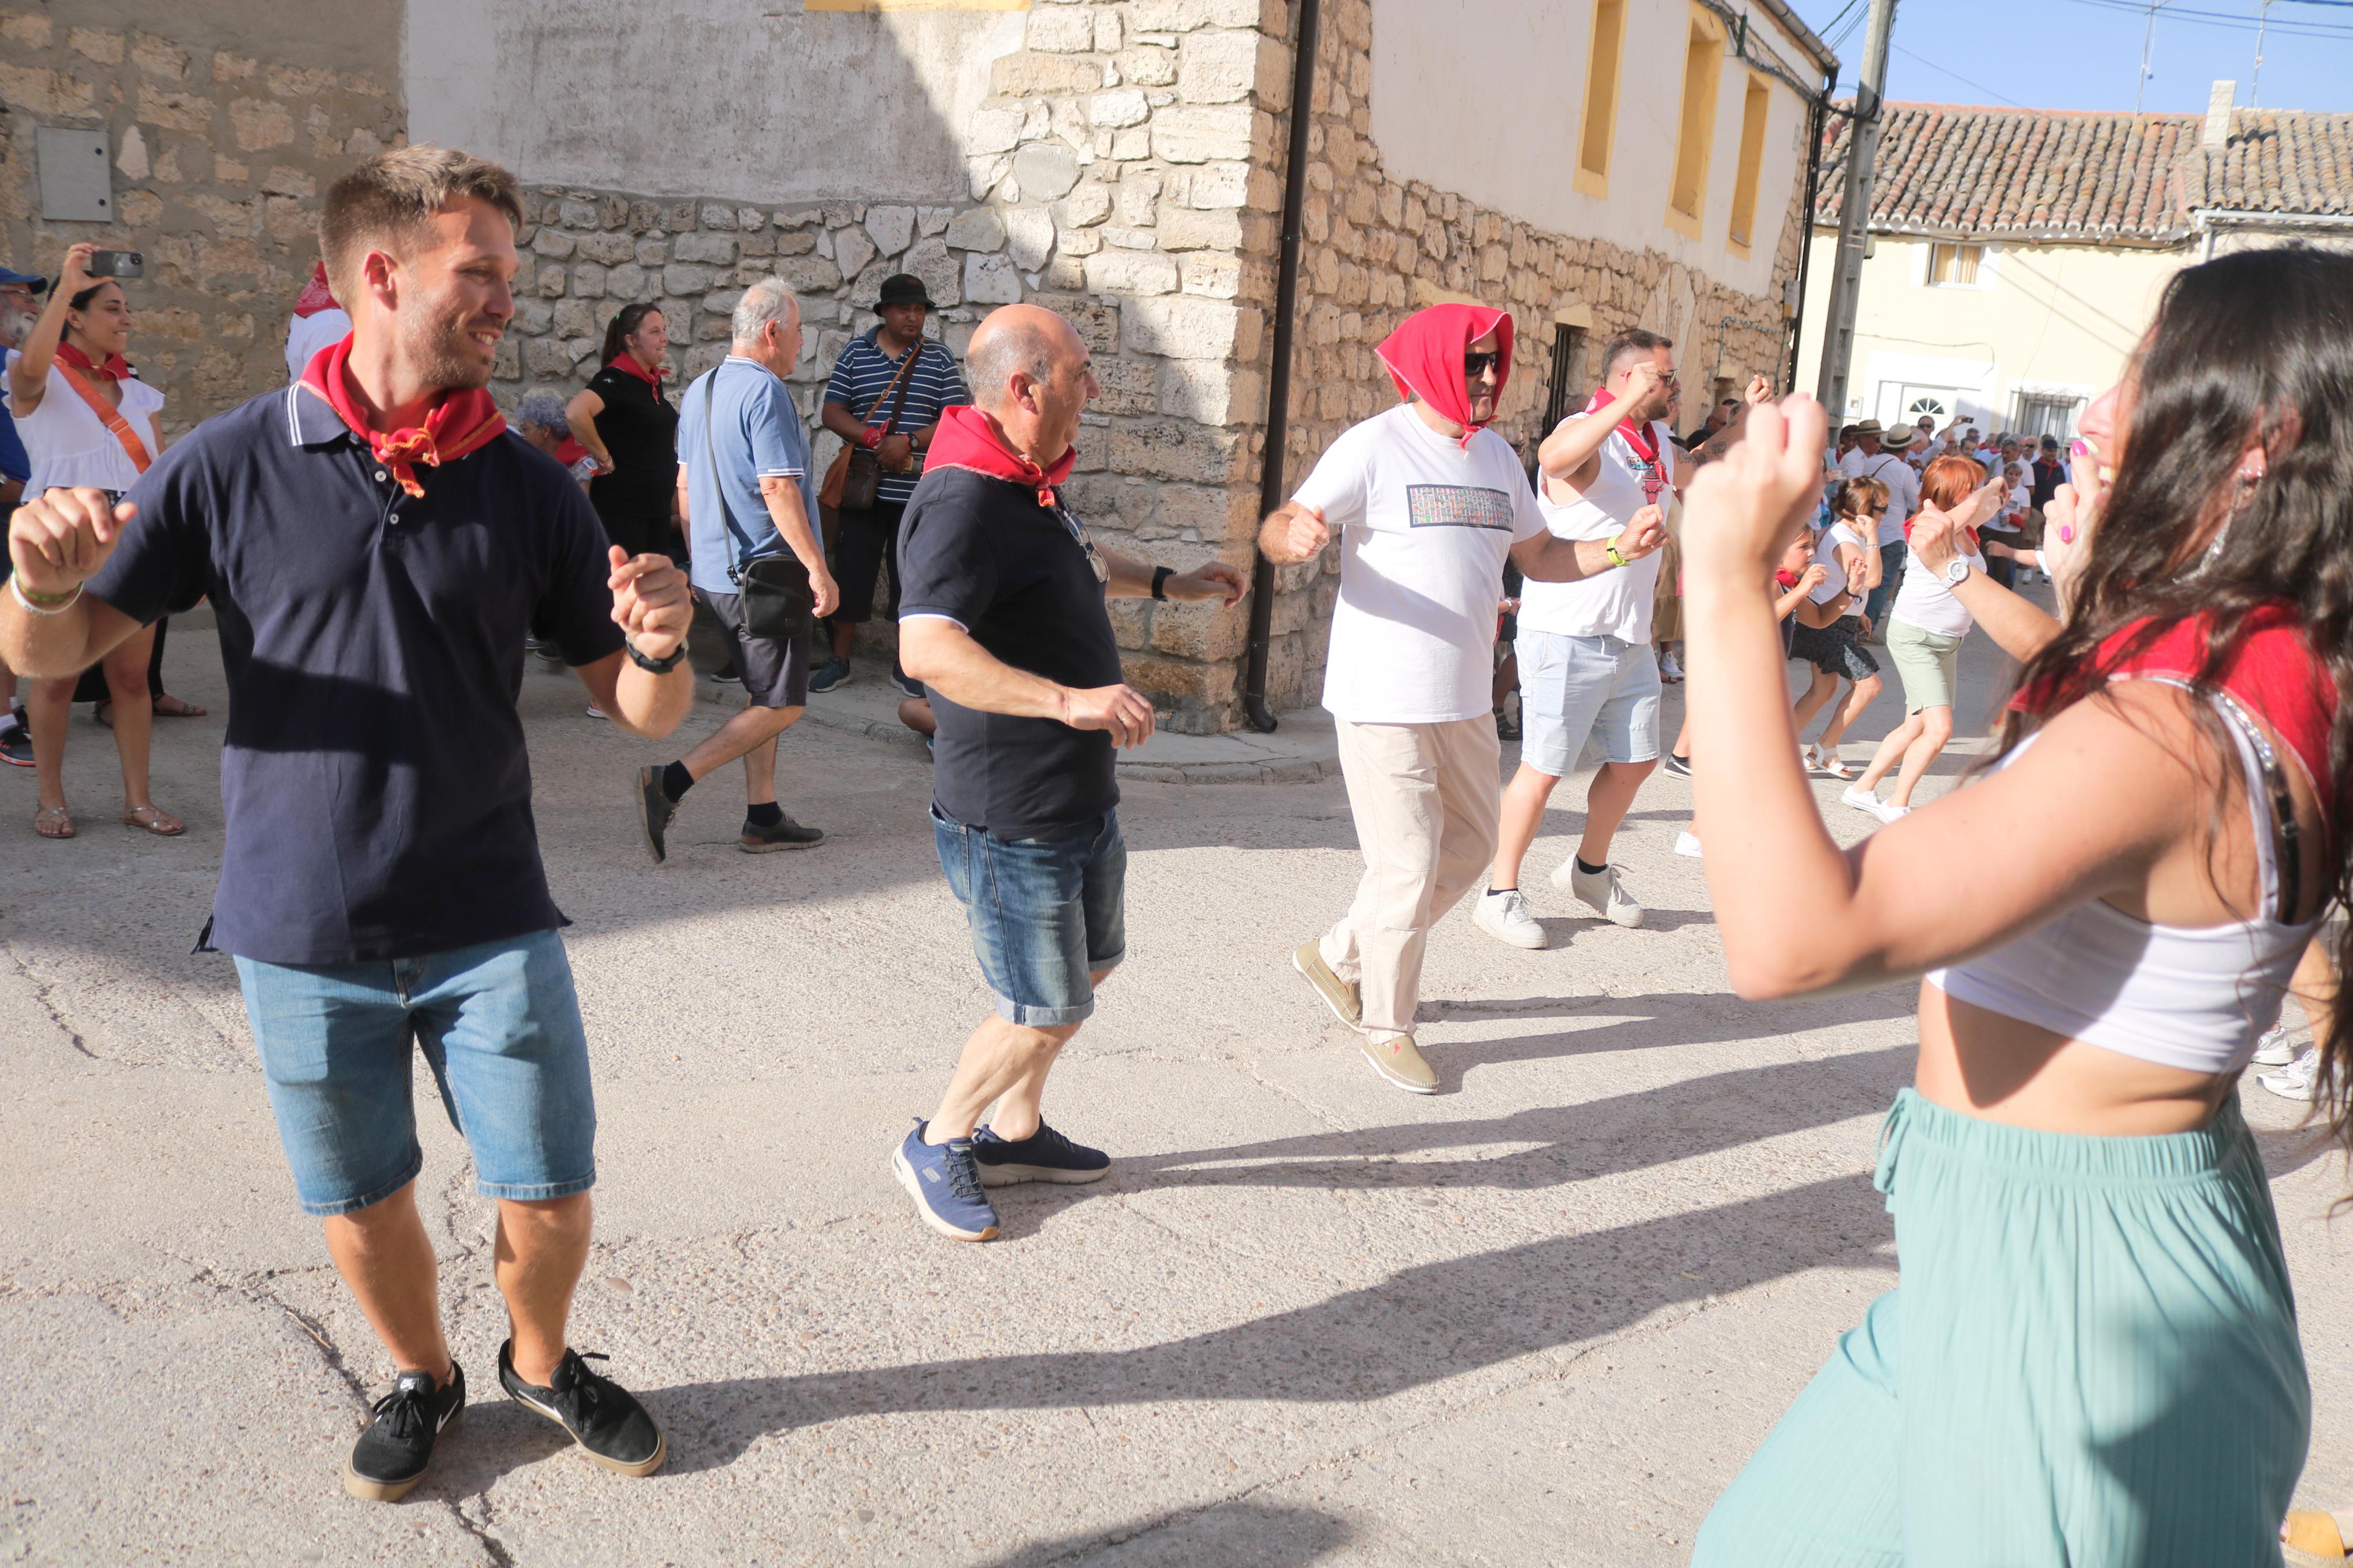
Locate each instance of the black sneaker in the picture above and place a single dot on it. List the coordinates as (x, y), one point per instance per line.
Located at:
(785, 834)
(16, 746)
(391, 1456)
(1044, 1156)
(829, 674)
(603, 1417)
(907, 683)
(728, 675)
(654, 811)
(1679, 767)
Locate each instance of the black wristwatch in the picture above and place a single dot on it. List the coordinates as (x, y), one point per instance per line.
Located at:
(1160, 575)
(654, 665)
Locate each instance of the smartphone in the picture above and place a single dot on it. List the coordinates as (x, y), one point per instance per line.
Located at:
(117, 264)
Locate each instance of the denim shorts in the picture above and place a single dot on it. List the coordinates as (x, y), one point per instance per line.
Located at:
(500, 1025)
(1046, 913)
(1574, 688)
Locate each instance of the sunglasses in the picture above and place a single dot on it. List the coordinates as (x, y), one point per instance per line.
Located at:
(1476, 365)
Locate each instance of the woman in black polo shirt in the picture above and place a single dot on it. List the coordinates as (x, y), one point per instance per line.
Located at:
(632, 432)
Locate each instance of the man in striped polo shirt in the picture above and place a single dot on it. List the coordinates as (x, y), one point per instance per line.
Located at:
(859, 406)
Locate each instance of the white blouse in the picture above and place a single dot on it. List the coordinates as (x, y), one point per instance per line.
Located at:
(70, 446)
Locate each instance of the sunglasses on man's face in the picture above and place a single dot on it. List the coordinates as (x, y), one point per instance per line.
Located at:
(1476, 365)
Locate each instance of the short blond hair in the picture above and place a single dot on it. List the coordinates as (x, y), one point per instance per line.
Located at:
(390, 195)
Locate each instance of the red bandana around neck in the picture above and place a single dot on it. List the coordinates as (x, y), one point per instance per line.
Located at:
(115, 368)
(1424, 357)
(1638, 438)
(315, 295)
(968, 439)
(626, 363)
(461, 422)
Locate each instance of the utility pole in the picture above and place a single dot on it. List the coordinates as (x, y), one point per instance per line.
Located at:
(1854, 213)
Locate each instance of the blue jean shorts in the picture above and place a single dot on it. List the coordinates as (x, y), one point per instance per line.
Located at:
(1047, 913)
(1574, 688)
(500, 1025)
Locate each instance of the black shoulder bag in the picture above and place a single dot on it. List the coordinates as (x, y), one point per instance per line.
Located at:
(776, 598)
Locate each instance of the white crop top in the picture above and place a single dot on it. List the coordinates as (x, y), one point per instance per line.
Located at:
(2182, 997)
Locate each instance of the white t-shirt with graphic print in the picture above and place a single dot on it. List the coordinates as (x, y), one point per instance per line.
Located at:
(1424, 525)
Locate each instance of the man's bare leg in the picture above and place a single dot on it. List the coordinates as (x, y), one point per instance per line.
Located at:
(1524, 807)
(1605, 805)
(543, 1246)
(386, 1261)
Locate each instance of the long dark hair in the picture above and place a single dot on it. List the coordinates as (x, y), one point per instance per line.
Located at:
(2257, 346)
(626, 319)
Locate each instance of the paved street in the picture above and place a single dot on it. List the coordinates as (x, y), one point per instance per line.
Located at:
(1540, 1318)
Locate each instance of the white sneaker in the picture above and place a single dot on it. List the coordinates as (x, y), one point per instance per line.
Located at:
(1866, 800)
(2273, 1049)
(1688, 844)
(1504, 916)
(1670, 668)
(2294, 1081)
(595, 712)
(1601, 890)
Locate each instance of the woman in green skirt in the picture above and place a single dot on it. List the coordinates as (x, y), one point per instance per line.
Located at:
(2092, 1356)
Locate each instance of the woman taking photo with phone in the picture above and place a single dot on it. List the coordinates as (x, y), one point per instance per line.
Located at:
(86, 418)
(631, 430)
(2092, 1356)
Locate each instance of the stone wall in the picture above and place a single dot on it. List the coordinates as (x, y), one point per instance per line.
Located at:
(1375, 248)
(1119, 169)
(219, 154)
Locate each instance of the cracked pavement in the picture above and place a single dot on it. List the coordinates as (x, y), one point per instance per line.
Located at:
(1541, 1317)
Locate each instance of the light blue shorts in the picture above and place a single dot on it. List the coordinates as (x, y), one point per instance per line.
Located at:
(500, 1025)
(1573, 689)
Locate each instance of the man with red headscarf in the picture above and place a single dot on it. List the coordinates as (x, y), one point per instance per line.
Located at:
(1586, 671)
(1427, 502)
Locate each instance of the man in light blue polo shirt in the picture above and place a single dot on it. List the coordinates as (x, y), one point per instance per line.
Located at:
(744, 486)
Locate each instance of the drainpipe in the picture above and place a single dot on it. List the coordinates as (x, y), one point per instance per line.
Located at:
(1278, 388)
(1816, 123)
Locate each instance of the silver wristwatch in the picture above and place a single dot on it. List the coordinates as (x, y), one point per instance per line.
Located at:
(1956, 570)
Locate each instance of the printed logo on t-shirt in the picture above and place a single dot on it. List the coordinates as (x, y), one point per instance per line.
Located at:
(1457, 506)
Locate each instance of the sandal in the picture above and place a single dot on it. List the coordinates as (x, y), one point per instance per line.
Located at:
(2315, 1532)
(170, 707)
(154, 820)
(1829, 766)
(53, 822)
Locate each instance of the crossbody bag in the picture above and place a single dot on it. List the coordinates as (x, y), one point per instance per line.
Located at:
(110, 416)
(773, 591)
(854, 482)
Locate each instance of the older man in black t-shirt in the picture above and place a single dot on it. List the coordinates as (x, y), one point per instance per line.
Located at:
(1002, 618)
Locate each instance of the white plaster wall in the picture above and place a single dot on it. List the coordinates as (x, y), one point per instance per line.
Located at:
(1485, 97)
(707, 97)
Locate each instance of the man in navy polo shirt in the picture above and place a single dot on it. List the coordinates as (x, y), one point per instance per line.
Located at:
(1002, 618)
(377, 545)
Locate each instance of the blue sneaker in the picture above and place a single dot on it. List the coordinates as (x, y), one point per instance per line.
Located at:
(945, 1186)
(1044, 1156)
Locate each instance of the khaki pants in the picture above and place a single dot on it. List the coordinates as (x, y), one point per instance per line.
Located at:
(1425, 798)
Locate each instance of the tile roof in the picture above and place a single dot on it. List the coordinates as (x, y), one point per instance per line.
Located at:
(2061, 174)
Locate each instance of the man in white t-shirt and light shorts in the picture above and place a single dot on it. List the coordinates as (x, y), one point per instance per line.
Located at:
(1585, 668)
(1427, 505)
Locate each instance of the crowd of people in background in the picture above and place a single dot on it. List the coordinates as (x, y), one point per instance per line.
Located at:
(2185, 657)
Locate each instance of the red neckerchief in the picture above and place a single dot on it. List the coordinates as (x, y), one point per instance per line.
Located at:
(2273, 671)
(315, 295)
(460, 422)
(1783, 575)
(967, 438)
(569, 451)
(626, 363)
(116, 367)
(1640, 439)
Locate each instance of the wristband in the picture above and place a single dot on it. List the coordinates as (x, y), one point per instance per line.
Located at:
(1611, 550)
(654, 665)
(1160, 575)
(870, 437)
(42, 604)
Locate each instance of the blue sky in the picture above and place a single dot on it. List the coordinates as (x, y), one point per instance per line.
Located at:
(2086, 54)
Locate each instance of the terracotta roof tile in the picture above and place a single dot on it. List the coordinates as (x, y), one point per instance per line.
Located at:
(2068, 174)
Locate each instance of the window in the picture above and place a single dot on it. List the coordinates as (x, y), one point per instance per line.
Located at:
(1695, 126)
(1600, 97)
(2046, 415)
(1754, 109)
(1564, 396)
(1954, 266)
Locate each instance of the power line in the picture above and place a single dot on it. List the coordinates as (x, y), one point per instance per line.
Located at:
(2222, 19)
(1957, 76)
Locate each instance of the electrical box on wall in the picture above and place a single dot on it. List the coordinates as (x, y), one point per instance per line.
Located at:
(77, 185)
